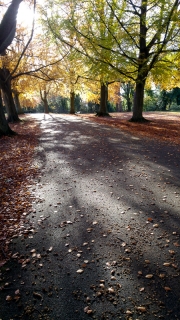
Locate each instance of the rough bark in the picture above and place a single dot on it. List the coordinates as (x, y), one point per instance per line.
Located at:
(138, 102)
(5, 83)
(46, 106)
(17, 102)
(72, 105)
(7, 32)
(44, 95)
(142, 69)
(4, 127)
(103, 101)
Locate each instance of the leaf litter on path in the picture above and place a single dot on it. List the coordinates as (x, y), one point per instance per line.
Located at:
(120, 265)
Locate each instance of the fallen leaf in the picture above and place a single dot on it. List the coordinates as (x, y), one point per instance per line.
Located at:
(80, 271)
(86, 261)
(141, 289)
(156, 225)
(147, 261)
(8, 298)
(167, 288)
(123, 244)
(142, 309)
(37, 295)
(166, 264)
(88, 310)
(2, 263)
(128, 312)
(17, 292)
(84, 265)
(171, 251)
(149, 276)
(176, 244)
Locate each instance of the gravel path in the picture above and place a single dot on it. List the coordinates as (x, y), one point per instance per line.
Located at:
(104, 235)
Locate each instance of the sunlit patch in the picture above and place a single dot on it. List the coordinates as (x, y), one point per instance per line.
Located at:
(25, 15)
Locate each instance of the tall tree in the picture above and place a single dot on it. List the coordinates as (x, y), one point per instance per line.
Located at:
(81, 65)
(8, 25)
(140, 35)
(5, 84)
(7, 32)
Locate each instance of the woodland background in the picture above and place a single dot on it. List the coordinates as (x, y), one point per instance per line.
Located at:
(94, 56)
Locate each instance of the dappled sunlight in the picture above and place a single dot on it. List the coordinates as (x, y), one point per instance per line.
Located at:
(107, 208)
(162, 126)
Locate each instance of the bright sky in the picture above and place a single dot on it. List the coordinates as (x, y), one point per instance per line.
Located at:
(25, 15)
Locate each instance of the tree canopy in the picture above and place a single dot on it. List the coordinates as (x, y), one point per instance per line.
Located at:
(126, 40)
(75, 45)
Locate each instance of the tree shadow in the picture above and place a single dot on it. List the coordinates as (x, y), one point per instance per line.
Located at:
(110, 208)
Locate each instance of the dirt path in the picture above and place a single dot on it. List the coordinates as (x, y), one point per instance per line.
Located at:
(103, 240)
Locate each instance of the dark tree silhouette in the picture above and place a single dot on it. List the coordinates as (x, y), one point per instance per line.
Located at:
(7, 33)
(8, 26)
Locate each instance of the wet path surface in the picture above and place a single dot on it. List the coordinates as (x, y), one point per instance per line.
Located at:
(105, 231)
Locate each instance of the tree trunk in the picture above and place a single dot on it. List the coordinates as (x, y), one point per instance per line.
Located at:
(43, 96)
(103, 102)
(129, 104)
(164, 100)
(5, 130)
(129, 101)
(138, 102)
(5, 82)
(72, 106)
(143, 68)
(17, 102)
(46, 106)
(8, 26)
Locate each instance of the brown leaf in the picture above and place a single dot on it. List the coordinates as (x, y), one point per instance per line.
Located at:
(167, 288)
(37, 295)
(176, 244)
(166, 264)
(8, 298)
(149, 276)
(142, 309)
(88, 310)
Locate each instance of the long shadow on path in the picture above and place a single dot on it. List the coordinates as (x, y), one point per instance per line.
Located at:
(106, 228)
